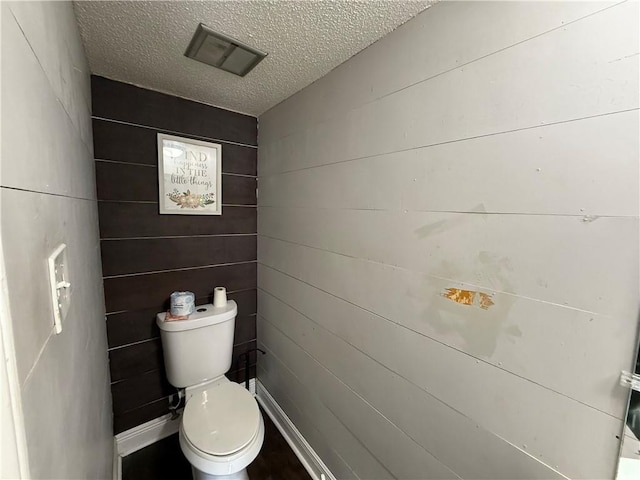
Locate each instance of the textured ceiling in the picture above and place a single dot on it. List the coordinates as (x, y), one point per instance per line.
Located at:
(143, 42)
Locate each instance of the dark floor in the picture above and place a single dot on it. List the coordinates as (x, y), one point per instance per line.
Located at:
(164, 460)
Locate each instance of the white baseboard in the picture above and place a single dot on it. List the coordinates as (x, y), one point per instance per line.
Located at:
(308, 457)
(132, 440)
(144, 435)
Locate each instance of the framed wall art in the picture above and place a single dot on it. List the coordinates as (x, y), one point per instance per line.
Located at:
(189, 176)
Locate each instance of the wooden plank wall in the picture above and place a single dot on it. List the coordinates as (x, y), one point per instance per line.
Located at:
(145, 255)
(56, 401)
(448, 245)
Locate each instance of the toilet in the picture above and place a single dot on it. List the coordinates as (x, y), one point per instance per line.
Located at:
(221, 428)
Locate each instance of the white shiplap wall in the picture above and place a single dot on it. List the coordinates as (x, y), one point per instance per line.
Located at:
(489, 146)
(48, 197)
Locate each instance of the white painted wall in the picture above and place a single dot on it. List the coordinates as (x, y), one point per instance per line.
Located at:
(47, 198)
(488, 146)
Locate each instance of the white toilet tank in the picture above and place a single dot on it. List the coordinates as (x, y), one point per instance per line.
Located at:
(200, 348)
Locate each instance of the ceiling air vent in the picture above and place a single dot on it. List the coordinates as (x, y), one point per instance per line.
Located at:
(223, 52)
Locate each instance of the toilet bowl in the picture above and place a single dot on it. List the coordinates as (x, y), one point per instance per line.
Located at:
(221, 428)
(221, 431)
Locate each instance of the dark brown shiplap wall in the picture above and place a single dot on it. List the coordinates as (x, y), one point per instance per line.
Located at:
(146, 256)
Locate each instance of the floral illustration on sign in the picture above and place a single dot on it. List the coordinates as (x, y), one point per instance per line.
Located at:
(191, 200)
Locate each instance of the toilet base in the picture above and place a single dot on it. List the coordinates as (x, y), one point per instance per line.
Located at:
(198, 475)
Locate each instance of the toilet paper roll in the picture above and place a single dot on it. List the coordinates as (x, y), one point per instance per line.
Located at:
(182, 303)
(219, 297)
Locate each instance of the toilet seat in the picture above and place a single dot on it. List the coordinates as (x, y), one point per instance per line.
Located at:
(221, 420)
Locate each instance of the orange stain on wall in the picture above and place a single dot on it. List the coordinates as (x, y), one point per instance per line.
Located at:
(468, 297)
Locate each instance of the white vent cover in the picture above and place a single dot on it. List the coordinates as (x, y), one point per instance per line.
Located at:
(223, 52)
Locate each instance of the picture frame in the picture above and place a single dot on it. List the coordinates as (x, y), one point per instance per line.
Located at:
(189, 176)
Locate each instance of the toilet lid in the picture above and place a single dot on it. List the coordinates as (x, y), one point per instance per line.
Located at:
(222, 419)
